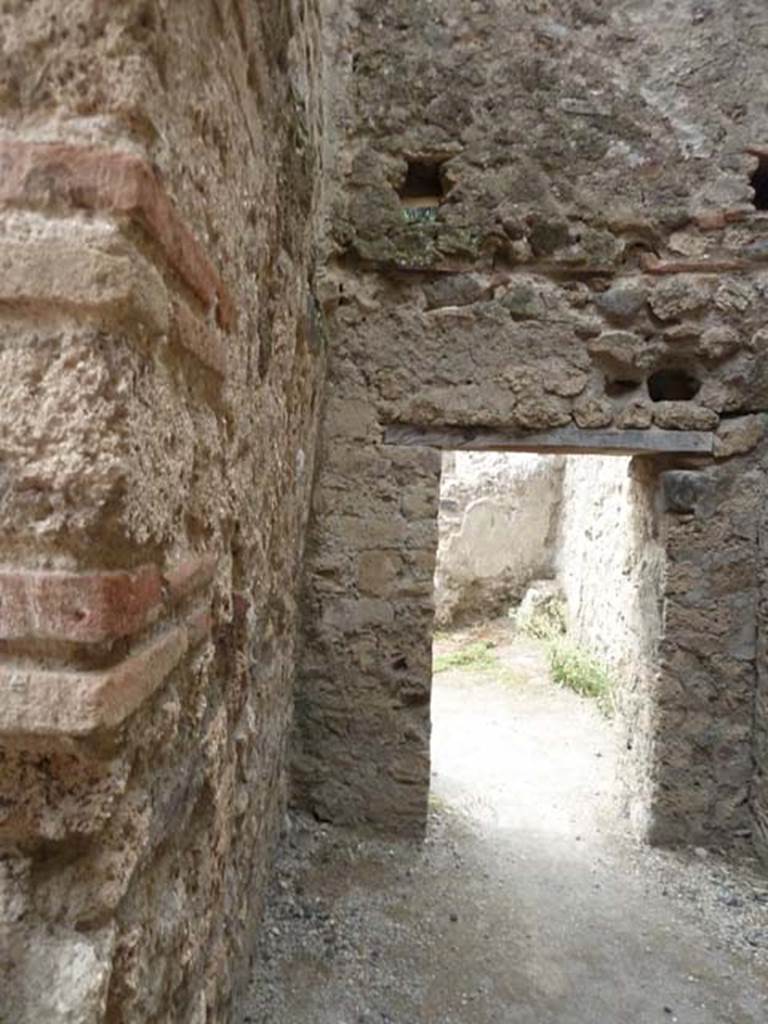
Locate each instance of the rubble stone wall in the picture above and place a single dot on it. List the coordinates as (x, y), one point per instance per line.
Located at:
(159, 374)
(706, 761)
(544, 221)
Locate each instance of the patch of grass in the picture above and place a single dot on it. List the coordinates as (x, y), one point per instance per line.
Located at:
(479, 656)
(580, 671)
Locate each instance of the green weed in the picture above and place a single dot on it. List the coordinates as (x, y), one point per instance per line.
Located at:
(580, 671)
(479, 656)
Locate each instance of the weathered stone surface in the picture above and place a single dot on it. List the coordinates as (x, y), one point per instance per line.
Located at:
(638, 415)
(685, 491)
(719, 342)
(678, 297)
(591, 413)
(624, 348)
(623, 302)
(684, 416)
(456, 290)
(111, 287)
(68, 978)
(738, 436)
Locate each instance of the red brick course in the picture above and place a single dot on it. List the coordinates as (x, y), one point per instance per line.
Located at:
(716, 220)
(108, 181)
(79, 607)
(94, 607)
(66, 703)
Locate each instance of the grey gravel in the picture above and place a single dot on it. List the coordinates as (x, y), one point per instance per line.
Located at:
(529, 901)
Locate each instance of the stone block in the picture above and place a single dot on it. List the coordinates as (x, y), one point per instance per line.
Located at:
(350, 614)
(624, 350)
(378, 571)
(66, 978)
(739, 436)
(687, 491)
(622, 302)
(592, 413)
(679, 296)
(719, 342)
(684, 416)
(637, 415)
(118, 288)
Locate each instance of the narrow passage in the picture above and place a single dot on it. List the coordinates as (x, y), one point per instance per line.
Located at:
(529, 902)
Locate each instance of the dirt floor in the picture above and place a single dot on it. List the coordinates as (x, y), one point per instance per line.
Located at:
(529, 903)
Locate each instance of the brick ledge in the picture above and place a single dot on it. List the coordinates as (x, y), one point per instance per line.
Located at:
(54, 704)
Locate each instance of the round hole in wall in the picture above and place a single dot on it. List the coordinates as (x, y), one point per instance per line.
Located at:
(673, 386)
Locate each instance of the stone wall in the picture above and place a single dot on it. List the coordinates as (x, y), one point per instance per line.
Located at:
(660, 568)
(539, 220)
(611, 565)
(544, 221)
(160, 364)
(497, 530)
(706, 741)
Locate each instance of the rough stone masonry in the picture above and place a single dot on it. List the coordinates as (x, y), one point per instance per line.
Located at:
(547, 221)
(239, 242)
(160, 368)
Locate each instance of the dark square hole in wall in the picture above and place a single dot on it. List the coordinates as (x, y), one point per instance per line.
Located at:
(759, 182)
(616, 388)
(673, 386)
(423, 185)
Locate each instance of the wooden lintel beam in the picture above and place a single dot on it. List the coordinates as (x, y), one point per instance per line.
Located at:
(564, 441)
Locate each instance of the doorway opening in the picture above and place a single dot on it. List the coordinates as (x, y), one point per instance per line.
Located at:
(547, 605)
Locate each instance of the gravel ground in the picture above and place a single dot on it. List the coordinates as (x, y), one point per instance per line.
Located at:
(528, 903)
